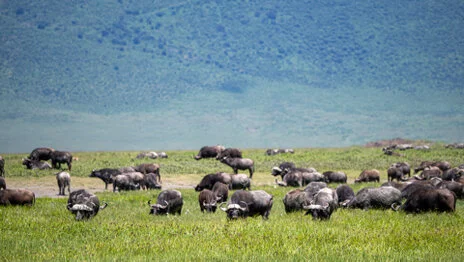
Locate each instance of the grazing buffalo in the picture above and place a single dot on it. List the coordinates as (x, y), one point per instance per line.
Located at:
(248, 204)
(424, 199)
(298, 177)
(128, 181)
(240, 181)
(152, 155)
(276, 171)
(221, 191)
(209, 152)
(230, 153)
(323, 204)
(152, 182)
(2, 166)
(372, 175)
(84, 204)
(443, 165)
(452, 174)
(36, 164)
(61, 157)
(411, 188)
(239, 164)
(149, 168)
(455, 187)
(2, 183)
(16, 197)
(105, 174)
(394, 172)
(64, 180)
(41, 153)
(314, 187)
(335, 177)
(295, 200)
(209, 180)
(208, 201)
(370, 197)
(404, 167)
(345, 193)
(168, 202)
(430, 172)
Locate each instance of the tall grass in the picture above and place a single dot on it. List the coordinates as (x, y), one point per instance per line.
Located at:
(125, 231)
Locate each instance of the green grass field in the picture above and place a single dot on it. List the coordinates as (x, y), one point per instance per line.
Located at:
(124, 231)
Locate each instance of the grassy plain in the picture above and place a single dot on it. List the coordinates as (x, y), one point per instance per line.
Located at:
(125, 232)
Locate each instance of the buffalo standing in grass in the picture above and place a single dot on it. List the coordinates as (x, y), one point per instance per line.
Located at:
(128, 181)
(61, 157)
(425, 199)
(239, 164)
(17, 197)
(443, 165)
(221, 191)
(345, 193)
(455, 187)
(453, 174)
(208, 201)
(41, 153)
(149, 168)
(298, 177)
(394, 172)
(208, 181)
(152, 182)
(64, 180)
(240, 181)
(323, 204)
(168, 202)
(230, 153)
(248, 204)
(35, 164)
(295, 200)
(370, 197)
(372, 175)
(83, 204)
(335, 177)
(106, 175)
(209, 152)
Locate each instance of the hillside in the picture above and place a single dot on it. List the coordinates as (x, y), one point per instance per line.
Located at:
(245, 73)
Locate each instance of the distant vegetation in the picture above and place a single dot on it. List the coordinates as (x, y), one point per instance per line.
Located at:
(326, 74)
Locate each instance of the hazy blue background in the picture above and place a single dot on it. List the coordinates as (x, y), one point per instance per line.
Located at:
(160, 75)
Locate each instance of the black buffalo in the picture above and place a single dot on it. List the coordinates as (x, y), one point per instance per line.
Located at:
(16, 197)
(105, 174)
(61, 157)
(230, 153)
(380, 197)
(240, 181)
(453, 174)
(345, 193)
(168, 202)
(335, 177)
(208, 201)
(394, 172)
(295, 200)
(152, 181)
(129, 181)
(41, 153)
(424, 200)
(239, 164)
(372, 175)
(64, 180)
(248, 204)
(323, 204)
(221, 191)
(209, 152)
(443, 165)
(35, 164)
(298, 177)
(84, 204)
(208, 181)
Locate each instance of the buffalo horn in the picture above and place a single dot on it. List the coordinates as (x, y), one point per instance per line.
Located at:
(223, 208)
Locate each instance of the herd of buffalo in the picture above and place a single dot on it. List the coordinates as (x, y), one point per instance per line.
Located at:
(435, 186)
